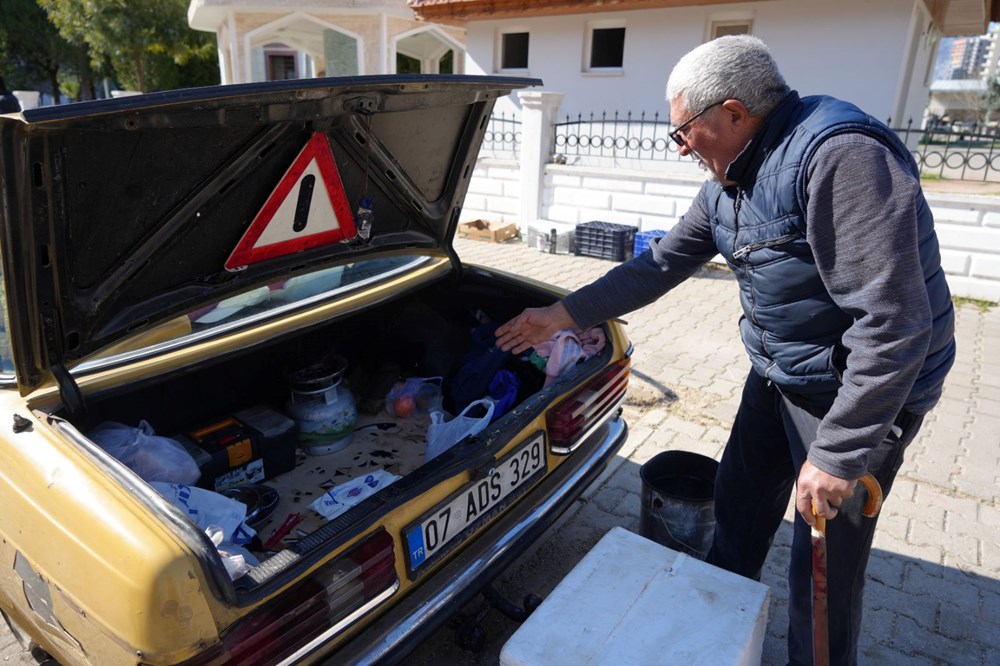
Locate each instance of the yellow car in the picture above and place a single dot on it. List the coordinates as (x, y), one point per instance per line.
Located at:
(253, 410)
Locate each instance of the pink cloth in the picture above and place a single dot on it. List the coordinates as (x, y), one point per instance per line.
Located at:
(568, 347)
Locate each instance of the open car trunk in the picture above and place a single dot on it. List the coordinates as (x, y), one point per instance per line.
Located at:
(426, 333)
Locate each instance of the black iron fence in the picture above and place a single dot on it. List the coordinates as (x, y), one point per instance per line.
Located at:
(955, 152)
(502, 137)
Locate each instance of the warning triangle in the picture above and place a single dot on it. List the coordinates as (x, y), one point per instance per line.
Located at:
(307, 209)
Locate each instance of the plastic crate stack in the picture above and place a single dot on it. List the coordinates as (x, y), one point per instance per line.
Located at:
(604, 240)
(642, 239)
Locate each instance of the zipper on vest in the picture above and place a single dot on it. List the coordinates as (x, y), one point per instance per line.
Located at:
(747, 249)
(737, 204)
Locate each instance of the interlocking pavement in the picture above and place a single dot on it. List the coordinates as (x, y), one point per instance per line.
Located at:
(933, 589)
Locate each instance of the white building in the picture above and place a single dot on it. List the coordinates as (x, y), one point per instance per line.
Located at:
(615, 56)
(263, 40)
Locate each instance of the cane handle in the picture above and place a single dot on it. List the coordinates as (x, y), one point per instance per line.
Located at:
(874, 501)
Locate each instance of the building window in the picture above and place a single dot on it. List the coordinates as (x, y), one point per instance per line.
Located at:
(605, 46)
(736, 27)
(513, 50)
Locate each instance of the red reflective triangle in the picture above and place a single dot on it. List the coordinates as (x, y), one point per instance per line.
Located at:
(307, 209)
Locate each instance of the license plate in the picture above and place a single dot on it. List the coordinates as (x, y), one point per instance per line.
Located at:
(447, 525)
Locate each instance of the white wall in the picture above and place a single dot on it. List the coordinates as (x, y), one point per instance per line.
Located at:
(968, 227)
(853, 49)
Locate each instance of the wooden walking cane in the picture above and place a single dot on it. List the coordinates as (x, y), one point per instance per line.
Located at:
(821, 616)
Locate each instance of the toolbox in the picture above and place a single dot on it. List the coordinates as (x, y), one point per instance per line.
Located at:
(244, 448)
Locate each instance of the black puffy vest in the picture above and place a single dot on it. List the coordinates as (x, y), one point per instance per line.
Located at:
(791, 327)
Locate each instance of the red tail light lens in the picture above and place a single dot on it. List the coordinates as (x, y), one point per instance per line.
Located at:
(573, 418)
(279, 628)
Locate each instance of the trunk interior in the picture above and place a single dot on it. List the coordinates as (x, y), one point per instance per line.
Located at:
(426, 333)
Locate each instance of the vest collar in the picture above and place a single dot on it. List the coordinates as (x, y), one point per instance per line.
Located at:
(743, 169)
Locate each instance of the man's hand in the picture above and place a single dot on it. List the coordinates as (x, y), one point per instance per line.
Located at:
(533, 326)
(825, 491)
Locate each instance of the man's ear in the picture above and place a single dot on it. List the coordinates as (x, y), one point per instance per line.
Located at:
(737, 112)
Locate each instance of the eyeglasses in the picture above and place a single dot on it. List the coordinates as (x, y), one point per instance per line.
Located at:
(675, 135)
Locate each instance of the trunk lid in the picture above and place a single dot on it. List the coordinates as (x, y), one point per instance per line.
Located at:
(121, 214)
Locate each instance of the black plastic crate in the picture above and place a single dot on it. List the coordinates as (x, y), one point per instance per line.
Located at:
(604, 240)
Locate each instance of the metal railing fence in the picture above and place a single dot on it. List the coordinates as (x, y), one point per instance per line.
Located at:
(948, 152)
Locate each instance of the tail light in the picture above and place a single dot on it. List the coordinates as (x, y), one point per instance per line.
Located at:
(312, 612)
(574, 418)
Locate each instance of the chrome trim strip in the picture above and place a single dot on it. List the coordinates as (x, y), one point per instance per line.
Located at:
(316, 642)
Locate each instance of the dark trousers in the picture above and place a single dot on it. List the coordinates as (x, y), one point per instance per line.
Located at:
(768, 444)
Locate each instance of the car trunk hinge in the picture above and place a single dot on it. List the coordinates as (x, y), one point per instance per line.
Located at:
(69, 391)
(456, 263)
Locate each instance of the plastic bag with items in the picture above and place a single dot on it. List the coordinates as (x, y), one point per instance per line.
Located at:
(442, 434)
(152, 457)
(416, 395)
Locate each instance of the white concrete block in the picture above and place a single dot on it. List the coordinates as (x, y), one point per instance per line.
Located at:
(612, 184)
(991, 218)
(955, 262)
(580, 197)
(569, 214)
(644, 204)
(679, 190)
(987, 290)
(563, 180)
(633, 601)
(986, 267)
(975, 239)
(486, 186)
(588, 214)
(955, 215)
(651, 222)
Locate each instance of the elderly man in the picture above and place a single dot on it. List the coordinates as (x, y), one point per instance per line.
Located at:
(848, 323)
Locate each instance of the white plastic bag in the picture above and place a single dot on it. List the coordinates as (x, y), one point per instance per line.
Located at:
(344, 495)
(237, 560)
(207, 508)
(442, 435)
(152, 457)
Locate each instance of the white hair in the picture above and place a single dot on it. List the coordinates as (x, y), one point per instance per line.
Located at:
(731, 67)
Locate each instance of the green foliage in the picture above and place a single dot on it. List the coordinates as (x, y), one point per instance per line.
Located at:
(30, 46)
(983, 305)
(147, 43)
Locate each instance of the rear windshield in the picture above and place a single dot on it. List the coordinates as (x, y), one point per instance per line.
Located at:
(256, 304)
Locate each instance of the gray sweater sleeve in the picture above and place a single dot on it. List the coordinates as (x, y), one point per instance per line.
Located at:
(669, 261)
(861, 226)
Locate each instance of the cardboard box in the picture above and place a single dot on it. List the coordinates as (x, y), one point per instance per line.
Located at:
(492, 232)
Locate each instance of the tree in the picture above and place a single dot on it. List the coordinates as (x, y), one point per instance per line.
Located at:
(147, 42)
(991, 98)
(32, 46)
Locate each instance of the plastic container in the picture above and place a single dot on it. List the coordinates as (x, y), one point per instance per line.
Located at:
(678, 510)
(604, 240)
(324, 411)
(642, 239)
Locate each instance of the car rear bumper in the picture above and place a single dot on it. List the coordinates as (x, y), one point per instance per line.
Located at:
(416, 617)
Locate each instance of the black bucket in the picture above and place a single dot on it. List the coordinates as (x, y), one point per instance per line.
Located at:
(677, 506)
